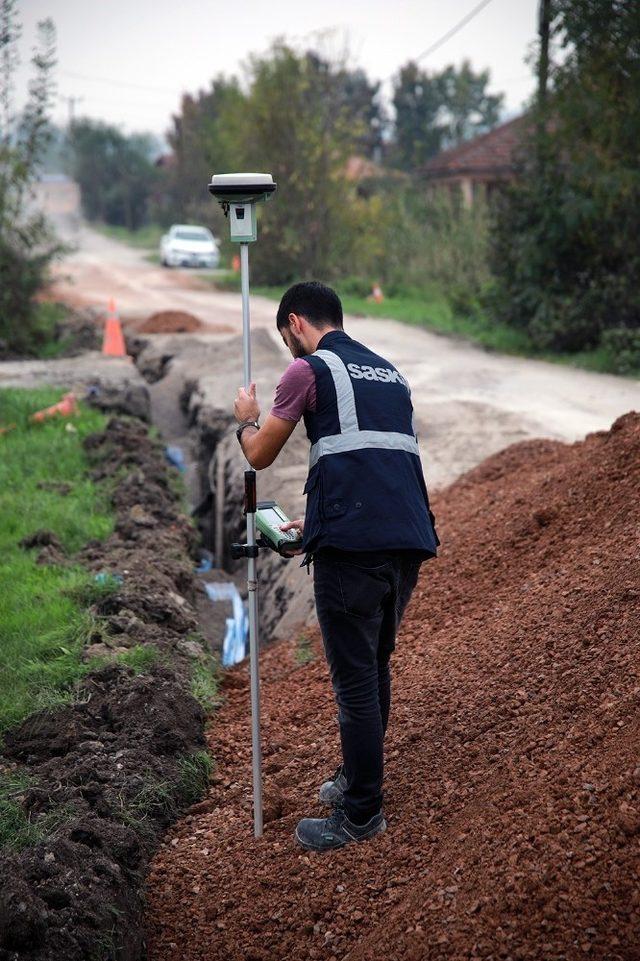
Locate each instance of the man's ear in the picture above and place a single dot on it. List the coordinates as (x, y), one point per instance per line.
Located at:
(295, 323)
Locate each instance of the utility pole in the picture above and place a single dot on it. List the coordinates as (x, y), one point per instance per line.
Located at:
(544, 24)
(71, 107)
(544, 29)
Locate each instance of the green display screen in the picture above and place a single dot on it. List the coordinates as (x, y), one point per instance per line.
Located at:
(269, 517)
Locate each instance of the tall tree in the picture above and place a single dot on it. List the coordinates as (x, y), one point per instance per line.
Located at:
(27, 244)
(127, 174)
(296, 125)
(467, 106)
(438, 110)
(566, 254)
(202, 138)
(357, 98)
(418, 131)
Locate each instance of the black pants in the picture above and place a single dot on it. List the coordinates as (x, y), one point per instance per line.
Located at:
(360, 599)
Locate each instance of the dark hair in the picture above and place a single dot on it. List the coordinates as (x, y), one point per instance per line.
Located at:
(318, 304)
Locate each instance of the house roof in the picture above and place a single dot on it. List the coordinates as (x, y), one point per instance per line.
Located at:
(490, 153)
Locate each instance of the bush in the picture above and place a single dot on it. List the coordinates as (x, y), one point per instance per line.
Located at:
(430, 242)
(354, 286)
(623, 344)
(24, 326)
(564, 248)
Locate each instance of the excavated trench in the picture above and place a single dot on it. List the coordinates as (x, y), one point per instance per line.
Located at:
(191, 407)
(127, 758)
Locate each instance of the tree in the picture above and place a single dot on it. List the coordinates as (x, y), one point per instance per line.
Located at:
(297, 125)
(439, 110)
(126, 175)
(565, 250)
(27, 244)
(336, 108)
(358, 99)
(468, 109)
(417, 100)
(203, 138)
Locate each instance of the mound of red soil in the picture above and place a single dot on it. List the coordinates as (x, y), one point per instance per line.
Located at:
(170, 322)
(513, 769)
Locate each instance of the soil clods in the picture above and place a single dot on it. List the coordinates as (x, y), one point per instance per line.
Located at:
(512, 787)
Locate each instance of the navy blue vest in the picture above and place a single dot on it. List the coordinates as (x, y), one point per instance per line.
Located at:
(365, 489)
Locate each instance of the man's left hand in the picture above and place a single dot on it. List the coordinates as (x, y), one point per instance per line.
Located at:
(245, 406)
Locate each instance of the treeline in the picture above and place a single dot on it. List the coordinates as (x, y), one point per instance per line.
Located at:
(313, 123)
(565, 250)
(554, 260)
(347, 195)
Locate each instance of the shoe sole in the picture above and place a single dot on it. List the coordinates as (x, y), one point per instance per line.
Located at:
(336, 847)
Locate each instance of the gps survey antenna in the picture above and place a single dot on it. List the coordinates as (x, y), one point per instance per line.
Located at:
(238, 195)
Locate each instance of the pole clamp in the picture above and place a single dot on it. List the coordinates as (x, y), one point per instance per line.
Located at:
(244, 550)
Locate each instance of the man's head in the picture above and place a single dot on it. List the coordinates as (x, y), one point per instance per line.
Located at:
(306, 313)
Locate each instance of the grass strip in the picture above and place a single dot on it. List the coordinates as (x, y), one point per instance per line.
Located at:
(145, 238)
(44, 486)
(433, 311)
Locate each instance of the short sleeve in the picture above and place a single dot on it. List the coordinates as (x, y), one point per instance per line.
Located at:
(296, 391)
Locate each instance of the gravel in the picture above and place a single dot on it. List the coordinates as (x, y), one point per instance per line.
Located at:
(512, 763)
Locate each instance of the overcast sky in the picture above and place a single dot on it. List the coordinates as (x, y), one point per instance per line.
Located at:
(130, 60)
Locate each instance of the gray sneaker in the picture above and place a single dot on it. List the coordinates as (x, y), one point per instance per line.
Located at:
(326, 834)
(331, 791)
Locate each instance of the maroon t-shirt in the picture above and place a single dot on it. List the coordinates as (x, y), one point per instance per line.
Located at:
(296, 391)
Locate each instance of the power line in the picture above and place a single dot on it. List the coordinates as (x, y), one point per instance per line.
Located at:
(119, 83)
(447, 36)
(450, 33)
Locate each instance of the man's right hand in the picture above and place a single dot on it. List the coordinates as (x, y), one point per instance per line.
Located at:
(296, 526)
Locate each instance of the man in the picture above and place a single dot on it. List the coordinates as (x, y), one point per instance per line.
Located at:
(367, 528)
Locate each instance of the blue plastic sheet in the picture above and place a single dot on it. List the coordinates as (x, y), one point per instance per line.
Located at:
(234, 647)
(175, 456)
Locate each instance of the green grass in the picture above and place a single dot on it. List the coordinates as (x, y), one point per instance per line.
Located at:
(146, 238)
(195, 772)
(204, 685)
(158, 797)
(43, 618)
(17, 830)
(303, 653)
(140, 657)
(433, 311)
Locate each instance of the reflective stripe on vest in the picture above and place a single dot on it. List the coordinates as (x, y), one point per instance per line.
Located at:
(344, 390)
(351, 437)
(361, 440)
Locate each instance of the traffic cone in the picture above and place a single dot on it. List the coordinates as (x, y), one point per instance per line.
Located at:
(113, 340)
(66, 407)
(376, 293)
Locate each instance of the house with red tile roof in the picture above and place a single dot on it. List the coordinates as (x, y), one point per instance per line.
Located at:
(480, 164)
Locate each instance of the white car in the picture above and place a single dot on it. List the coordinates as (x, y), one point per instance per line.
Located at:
(187, 245)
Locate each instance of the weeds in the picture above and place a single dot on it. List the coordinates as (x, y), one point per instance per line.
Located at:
(161, 799)
(17, 829)
(204, 684)
(140, 658)
(195, 772)
(303, 652)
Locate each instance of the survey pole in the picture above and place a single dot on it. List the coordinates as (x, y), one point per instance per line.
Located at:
(238, 194)
(252, 574)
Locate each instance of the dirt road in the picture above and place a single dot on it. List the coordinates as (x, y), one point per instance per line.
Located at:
(469, 403)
